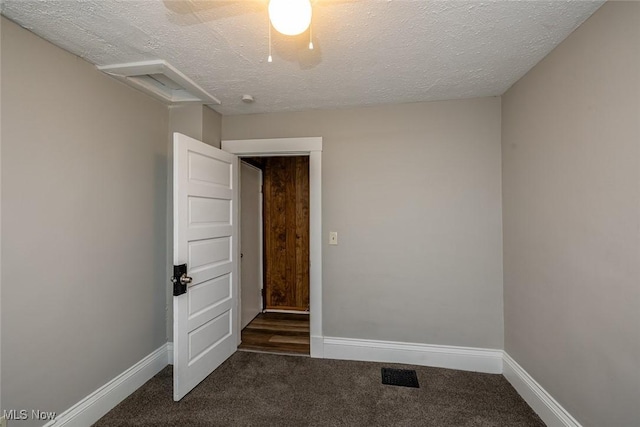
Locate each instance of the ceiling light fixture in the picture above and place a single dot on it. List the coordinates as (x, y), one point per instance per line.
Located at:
(290, 17)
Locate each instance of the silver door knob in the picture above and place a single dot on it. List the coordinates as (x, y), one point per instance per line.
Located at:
(185, 280)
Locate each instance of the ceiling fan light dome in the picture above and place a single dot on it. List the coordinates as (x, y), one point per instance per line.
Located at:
(290, 17)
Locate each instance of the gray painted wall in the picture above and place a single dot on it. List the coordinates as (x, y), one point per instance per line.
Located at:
(414, 193)
(84, 172)
(571, 178)
(186, 119)
(211, 126)
(197, 121)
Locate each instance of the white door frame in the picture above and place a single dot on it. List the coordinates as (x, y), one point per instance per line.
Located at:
(311, 147)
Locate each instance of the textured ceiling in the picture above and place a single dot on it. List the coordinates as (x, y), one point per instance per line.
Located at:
(366, 52)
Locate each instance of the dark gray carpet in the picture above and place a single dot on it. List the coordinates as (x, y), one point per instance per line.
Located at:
(254, 389)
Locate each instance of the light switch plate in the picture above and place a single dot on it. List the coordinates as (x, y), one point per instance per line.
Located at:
(333, 237)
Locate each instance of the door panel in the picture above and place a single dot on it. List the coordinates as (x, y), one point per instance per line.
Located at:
(251, 242)
(286, 218)
(205, 196)
(209, 294)
(209, 211)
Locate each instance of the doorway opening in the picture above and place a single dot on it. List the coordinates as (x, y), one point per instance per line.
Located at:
(311, 147)
(275, 224)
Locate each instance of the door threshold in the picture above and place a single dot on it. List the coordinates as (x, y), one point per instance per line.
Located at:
(274, 310)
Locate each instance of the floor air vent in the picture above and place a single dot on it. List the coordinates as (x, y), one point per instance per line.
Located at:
(400, 377)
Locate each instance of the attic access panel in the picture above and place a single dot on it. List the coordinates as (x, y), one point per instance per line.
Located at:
(160, 80)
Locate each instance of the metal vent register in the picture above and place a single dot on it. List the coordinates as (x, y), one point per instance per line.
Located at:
(400, 377)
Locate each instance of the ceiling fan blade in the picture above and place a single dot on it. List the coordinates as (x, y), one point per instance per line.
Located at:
(194, 12)
(215, 9)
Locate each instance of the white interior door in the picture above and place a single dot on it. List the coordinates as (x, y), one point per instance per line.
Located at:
(250, 242)
(205, 319)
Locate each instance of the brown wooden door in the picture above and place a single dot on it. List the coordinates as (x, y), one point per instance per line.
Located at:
(286, 232)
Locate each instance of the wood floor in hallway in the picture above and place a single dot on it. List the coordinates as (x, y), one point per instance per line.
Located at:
(277, 333)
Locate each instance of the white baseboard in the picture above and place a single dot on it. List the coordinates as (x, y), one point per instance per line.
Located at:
(547, 408)
(97, 404)
(440, 356)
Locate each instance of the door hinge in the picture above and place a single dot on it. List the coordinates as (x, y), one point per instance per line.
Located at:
(180, 279)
